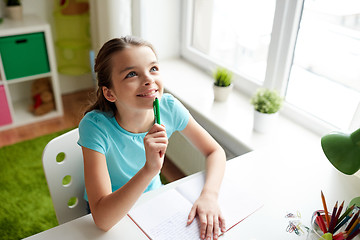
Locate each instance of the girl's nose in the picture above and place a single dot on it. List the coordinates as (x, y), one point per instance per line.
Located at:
(148, 80)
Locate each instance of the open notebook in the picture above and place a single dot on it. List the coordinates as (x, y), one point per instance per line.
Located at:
(165, 215)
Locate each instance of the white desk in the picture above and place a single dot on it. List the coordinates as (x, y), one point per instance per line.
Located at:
(286, 181)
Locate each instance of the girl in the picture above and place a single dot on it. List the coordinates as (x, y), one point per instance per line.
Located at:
(122, 147)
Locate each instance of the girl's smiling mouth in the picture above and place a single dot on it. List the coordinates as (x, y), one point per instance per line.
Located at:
(150, 93)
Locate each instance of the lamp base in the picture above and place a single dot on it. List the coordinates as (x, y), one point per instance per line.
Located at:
(355, 201)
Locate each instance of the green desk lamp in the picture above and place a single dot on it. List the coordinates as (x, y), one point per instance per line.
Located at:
(343, 151)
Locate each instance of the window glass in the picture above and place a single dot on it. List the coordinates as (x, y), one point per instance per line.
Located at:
(325, 74)
(235, 33)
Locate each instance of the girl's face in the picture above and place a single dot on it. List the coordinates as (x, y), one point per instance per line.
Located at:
(136, 79)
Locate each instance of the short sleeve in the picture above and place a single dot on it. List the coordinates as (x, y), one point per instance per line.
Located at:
(182, 115)
(90, 134)
(177, 112)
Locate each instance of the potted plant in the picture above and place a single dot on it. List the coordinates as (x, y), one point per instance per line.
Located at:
(222, 84)
(14, 9)
(266, 104)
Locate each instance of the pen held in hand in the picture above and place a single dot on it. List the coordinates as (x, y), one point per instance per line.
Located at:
(156, 111)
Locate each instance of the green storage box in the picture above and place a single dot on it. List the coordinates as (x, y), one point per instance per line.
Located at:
(24, 55)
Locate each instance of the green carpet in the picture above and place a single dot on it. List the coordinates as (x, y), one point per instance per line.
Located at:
(26, 207)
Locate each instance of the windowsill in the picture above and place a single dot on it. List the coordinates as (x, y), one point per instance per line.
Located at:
(230, 122)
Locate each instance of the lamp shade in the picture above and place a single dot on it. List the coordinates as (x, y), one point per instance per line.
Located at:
(343, 150)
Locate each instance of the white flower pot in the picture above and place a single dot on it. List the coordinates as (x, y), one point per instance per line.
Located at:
(222, 93)
(265, 122)
(14, 12)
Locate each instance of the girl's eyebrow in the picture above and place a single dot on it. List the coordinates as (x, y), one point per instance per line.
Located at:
(154, 62)
(132, 67)
(127, 69)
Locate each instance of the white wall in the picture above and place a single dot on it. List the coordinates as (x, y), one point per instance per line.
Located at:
(109, 19)
(160, 24)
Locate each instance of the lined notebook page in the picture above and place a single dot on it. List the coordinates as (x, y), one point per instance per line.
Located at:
(165, 216)
(236, 200)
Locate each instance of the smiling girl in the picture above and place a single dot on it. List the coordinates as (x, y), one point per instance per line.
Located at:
(124, 149)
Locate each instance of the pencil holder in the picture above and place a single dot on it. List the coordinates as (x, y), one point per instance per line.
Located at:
(315, 233)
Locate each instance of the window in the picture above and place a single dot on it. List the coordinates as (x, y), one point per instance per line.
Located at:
(222, 31)
(325, 74)
(309, 50)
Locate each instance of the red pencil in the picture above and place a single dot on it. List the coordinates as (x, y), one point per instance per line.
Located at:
(346, 213)
(340, 236)
(332, 221)
(337, 216)
(320, 221)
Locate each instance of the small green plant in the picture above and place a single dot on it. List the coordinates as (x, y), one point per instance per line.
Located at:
(267, 101)
(223, 77)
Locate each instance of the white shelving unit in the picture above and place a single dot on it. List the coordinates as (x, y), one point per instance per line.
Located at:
(17, 91)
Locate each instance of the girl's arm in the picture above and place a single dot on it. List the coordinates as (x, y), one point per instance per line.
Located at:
(109, 207)
(207, 206)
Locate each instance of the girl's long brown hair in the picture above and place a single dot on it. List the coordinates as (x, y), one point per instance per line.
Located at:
(103, 69)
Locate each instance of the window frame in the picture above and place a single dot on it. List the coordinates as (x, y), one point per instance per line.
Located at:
(286, 23)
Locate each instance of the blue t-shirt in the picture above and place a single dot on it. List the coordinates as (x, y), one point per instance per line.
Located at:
(124, 151)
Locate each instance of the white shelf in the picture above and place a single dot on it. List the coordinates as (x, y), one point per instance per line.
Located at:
(18, 91)
(29, 78)
(22, 115)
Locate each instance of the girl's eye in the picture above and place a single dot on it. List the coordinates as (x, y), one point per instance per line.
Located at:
(154, 69)
(130, 74)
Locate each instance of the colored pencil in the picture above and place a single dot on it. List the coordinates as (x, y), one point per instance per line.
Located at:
(320, 221)
(339, 210)
(353, 226)
(346, 213)
(325, 210)
(356, 228)
(342, 223)
(332, 220)
(352, 221)
(354, 234)
(340, 236)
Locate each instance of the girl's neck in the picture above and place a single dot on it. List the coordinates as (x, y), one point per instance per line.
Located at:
(136, 122)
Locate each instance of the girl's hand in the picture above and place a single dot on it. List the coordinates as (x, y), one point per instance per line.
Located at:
(211, 219)
(155, 143)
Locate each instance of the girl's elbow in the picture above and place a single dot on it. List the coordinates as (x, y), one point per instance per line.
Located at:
(102, 226)
(102, 222)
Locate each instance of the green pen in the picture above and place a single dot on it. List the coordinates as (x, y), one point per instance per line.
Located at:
(156, 111)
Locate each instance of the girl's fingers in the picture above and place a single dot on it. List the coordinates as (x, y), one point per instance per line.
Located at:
(216, 227)
(156, 128)
(203, 225)
(191, 216)
(222, 223)
(209, 227)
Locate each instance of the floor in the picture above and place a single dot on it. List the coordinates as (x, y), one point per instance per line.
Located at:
(74, 105)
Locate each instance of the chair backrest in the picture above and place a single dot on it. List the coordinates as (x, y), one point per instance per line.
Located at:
(64, 171)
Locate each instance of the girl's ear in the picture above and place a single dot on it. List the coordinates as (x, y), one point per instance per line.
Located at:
(108, 94)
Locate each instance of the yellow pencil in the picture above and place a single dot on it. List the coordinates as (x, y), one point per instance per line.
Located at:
(353, 226)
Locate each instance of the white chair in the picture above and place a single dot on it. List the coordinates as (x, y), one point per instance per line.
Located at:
(64, 171)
